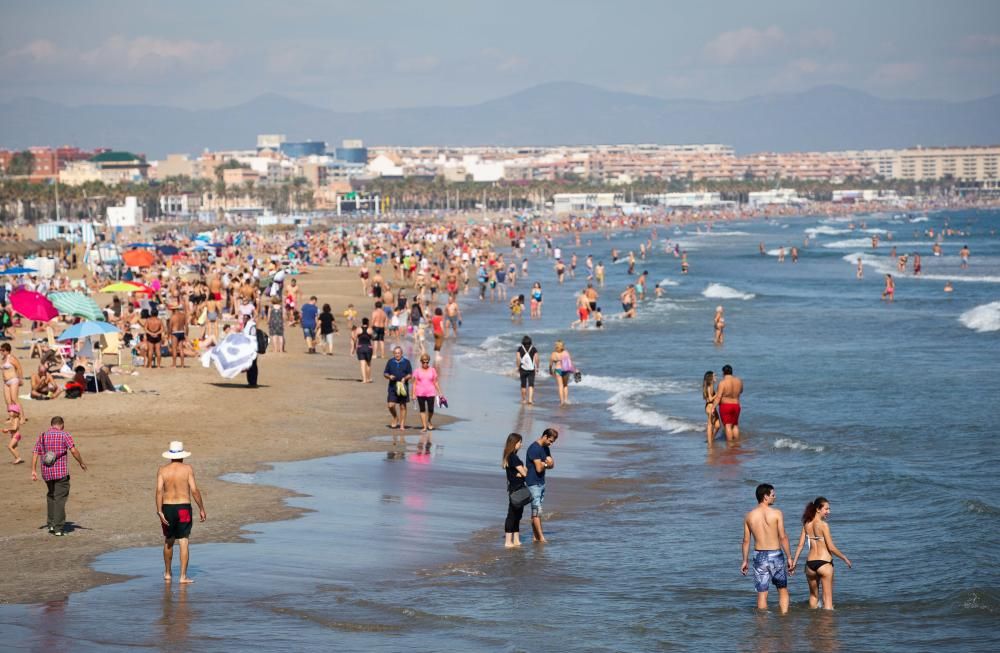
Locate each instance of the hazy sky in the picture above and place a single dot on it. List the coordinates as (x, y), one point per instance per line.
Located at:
(377, 54)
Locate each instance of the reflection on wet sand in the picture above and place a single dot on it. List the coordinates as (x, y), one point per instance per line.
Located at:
(822, 631)
(725, 453)
(175, 621)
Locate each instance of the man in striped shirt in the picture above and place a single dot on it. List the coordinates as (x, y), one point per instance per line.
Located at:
(58, 443)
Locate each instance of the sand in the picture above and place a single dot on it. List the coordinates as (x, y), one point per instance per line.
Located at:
(307, 406)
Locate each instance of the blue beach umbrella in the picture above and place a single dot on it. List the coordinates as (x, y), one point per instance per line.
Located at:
(19, 270)
(142, 246)
(168, 250)
(87, 330)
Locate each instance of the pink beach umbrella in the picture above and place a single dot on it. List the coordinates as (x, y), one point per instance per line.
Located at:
(33, 305)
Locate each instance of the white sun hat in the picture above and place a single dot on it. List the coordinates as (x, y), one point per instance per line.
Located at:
(176, 451)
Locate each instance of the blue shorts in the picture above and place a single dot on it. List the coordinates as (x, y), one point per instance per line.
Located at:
(769, 567)
(537, 494)
(309, 332)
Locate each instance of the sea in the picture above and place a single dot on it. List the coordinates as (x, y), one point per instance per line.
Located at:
(884, 409)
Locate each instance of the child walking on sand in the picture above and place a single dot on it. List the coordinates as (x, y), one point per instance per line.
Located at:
(14, 428)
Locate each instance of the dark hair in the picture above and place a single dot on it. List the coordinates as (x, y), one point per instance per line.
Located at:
(727, 369)
(551, 432)
(326, 308)
(812, 508)
(763, 490)
(508, 447)
(153, 312)
(706, 384)
(526, 341)
(378, 304)
(5, 346)
(364, 321)
(438, 311)
(57, 421)
(79, 369)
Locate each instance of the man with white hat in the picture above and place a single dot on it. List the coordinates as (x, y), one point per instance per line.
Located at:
(174, 488)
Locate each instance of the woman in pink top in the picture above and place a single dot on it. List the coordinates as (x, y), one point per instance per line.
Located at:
(426, 390)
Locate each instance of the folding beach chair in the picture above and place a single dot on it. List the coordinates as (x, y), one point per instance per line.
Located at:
(111, 345)
(63, 350)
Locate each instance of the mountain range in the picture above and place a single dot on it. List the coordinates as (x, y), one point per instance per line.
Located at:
(559, 113)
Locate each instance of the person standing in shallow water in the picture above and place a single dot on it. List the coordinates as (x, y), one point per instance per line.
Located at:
(539, 459)
(820, 549)
(516, 473)
(727, 401)
(771, 564)
(708, 393)
(175, 487)
(720, 326)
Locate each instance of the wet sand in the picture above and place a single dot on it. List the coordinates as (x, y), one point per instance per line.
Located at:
(308, 406)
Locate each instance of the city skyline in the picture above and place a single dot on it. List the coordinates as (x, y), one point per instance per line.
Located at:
(382, 55)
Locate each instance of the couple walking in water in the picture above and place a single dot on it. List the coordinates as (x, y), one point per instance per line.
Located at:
(772, 561)
(722, 405)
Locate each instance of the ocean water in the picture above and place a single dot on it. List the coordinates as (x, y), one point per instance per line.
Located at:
(883, 409)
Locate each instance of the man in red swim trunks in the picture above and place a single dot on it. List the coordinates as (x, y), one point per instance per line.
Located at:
(727, 399)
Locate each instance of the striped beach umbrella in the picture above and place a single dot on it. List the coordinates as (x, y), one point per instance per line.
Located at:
(75, 303)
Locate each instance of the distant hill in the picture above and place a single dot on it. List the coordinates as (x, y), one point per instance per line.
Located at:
(823, 118)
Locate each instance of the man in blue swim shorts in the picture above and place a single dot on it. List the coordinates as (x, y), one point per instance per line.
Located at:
(771, 556)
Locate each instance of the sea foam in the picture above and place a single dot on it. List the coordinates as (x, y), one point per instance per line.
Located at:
(982, 319)
(719, 291)
(625, 401)
(795, 445)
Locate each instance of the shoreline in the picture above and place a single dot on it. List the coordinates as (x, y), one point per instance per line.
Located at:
(121, 436)
(212, 460)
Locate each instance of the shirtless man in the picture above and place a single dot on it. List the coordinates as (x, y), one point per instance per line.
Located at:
(453, 316)
(628, 301)
(727, 400)
(178, 333)
(582, 311)
(43, 384)
(379, 322)
(772, 561)
(592, 296)
(175, 487)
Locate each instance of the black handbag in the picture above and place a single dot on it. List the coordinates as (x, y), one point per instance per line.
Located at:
(520, 497)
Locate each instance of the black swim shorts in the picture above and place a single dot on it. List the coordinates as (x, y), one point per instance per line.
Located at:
(179, 520)
(378, 334)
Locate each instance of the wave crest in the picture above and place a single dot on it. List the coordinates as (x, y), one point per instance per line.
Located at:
(719, 291)
(982, 319)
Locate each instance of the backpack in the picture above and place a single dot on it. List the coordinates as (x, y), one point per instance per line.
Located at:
(527, 360)
(262, 341)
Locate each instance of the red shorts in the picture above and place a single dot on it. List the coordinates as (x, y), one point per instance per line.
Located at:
(583, 313)
(730, 414)
(217, 296)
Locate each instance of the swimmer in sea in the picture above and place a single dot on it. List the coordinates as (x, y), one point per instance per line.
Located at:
(948, 287)
(720, 325)
(860, 274)
(820, 549)
(964, 253)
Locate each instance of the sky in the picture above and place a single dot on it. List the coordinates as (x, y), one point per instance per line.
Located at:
(376, 54)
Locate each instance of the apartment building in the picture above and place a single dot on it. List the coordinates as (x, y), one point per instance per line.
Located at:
(969, 163)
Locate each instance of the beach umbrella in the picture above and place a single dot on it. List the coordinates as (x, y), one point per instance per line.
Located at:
(75, 303)
(19, 270)
(169, 250)
(232, 356)
(87, 330)
(142, 245)
(122, 286)
(138, 258)
(33, 305)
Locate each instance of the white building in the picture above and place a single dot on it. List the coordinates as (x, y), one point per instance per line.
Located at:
(184, 204)
(270, 141)
(74, 232)
(869, 195)
(682, 200)
(383, 166)
(129, 215)
(783, 196)
(584, 202)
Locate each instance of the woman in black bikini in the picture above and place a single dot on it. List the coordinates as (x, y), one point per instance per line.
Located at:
(821, 549)
(361, 337)
(713, 421)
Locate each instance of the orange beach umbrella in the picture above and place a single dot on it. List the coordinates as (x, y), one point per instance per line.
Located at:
(138, 258)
